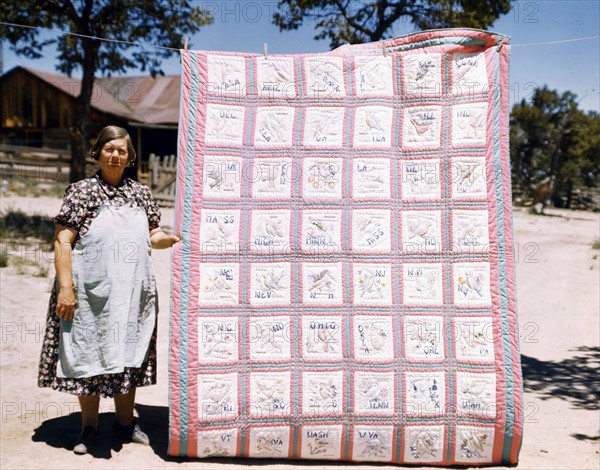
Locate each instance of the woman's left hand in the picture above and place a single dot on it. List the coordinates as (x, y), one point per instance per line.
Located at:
(160, 239)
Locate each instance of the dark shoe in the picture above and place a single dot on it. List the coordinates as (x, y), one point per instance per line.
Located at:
(85, 441)
(131, 433)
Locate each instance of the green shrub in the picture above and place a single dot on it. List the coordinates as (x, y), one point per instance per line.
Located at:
(3, 258)
(19, 225)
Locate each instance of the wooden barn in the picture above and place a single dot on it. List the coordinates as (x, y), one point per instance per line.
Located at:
(37, 111)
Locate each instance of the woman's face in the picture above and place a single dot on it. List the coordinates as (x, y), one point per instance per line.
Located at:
(113, 160)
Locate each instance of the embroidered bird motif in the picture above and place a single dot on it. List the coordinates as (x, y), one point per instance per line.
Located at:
(423, 69)
(273, 230)
(419, 228)
(218, 392)
(216, 179)
(322, 280)
(276, 72)
(372, 122)
(425, 444)
(322, 335)
(271, 281)
(473, 283)
(420, 125)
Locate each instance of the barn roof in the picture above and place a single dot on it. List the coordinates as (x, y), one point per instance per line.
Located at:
(144, 99)
(154, 100)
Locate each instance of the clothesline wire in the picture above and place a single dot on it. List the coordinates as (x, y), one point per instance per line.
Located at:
(556, 42)
(91, 37)
(175, 49)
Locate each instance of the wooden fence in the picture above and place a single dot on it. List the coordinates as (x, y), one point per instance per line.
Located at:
(163, 175)
(46, 164)
(40, 164)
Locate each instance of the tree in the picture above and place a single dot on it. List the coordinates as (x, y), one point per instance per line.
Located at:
(357, 22)
(554, 148)
(157, 22)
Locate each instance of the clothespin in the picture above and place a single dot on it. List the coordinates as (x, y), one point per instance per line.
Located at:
(384, 49)
(502, 41)
(185, 43)
(265, 49)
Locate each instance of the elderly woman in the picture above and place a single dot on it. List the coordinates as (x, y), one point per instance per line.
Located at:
(100, 337)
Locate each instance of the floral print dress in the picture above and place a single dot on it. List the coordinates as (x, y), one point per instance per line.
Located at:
(81, 203)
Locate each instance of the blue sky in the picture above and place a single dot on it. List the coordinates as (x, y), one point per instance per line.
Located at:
(245, 26)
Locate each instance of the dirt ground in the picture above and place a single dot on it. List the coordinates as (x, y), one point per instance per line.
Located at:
(558, 299)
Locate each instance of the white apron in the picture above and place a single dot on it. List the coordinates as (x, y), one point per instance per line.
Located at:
(115, 294)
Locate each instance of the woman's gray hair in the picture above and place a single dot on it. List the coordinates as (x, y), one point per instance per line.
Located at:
(111, 133)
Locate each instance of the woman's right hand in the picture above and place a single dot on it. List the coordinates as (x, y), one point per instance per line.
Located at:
(65, 304)
(64, 237)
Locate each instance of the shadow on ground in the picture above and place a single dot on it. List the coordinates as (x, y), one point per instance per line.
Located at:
(575, 379)
(62, 432)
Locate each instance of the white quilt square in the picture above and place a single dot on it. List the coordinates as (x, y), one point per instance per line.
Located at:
(217, 396)
(321, 231)
(270, 231)
(372, 284)
(269, 338)
(275, 77)
(469, 124)
(422, 125)
(221, 177)
(374, 393)
(272, 178)
(274, 126)
(219, 231)
(474, 339)
(224, 125)
(324, 127)
(270, 284)
(424, 338)
(373, 338)
(321, 338)
(322, 442)
(373, 127)
(217, 443)
(421, 179)
(373, 443)
(469, 75)
(423, 75)
(371, 231)
(322, 283)
(226, 75)
(219, 284)
(322, 178)
(269, 442)
(373, 76)
(218, 340)
(471, 284)
(423, 284)
(468, 177)
(422, 231)
(424, 444)
(324, 77)
(322, 393)
(269, 394)
(470, 231)
(474, 444)
(371, 179)
(425, 393)
(476, 394)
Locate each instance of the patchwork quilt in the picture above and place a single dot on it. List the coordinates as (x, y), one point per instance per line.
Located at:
(344, 288)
